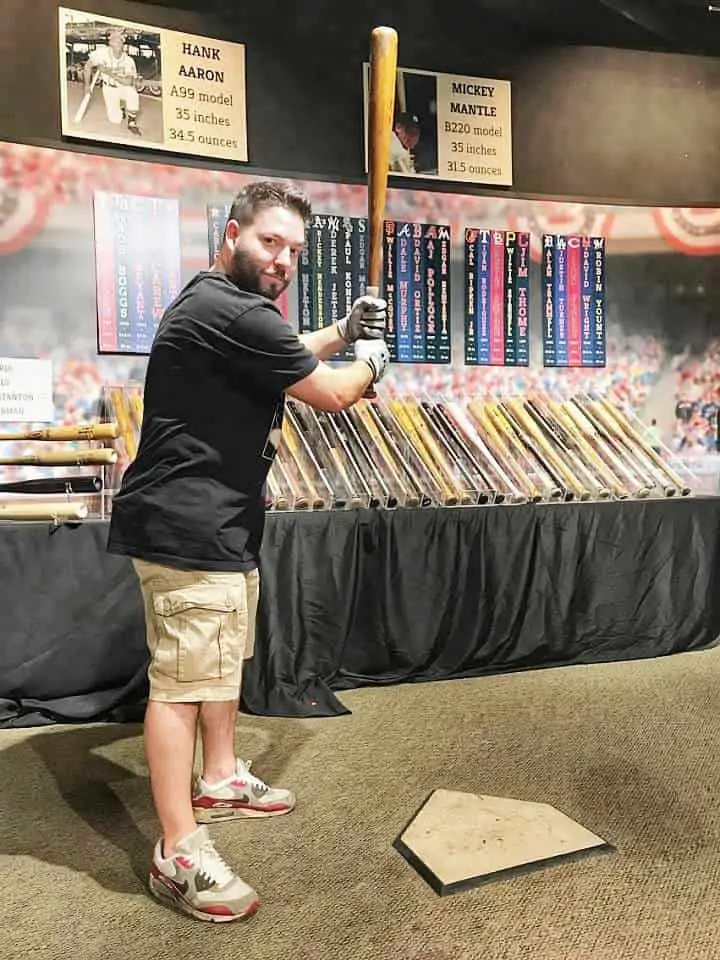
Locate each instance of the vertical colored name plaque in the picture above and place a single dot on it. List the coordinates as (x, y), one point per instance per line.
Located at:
(333, 270)
(138, 268)
(416, 285)
(217, 215)
(574, 315)
(497, 296)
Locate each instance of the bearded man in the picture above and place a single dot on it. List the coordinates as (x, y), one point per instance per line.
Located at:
(191, 510)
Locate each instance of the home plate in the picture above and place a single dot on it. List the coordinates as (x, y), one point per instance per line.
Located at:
(460, 840)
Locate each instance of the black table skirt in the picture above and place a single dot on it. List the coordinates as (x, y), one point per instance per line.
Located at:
(353, 599)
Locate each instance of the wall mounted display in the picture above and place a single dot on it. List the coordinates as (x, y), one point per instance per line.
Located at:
(497, 297)
(137, 268)
(449, 127)
(332, 271)
(416, 284)
(147, 87)
(573, 301)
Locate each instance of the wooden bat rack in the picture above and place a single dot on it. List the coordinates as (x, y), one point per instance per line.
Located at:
(32, 489)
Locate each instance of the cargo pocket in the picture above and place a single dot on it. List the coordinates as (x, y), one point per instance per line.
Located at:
(199, 632)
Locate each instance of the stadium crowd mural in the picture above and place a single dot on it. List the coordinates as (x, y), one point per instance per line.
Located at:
(663, 284)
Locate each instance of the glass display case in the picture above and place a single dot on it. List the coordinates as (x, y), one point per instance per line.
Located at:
(420, 451)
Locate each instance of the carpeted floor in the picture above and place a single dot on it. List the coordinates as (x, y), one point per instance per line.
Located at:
(631, 751)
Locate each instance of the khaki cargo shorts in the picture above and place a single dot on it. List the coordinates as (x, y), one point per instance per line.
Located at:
(200, 627)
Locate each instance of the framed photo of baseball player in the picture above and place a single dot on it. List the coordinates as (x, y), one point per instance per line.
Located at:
(144, 86)
(448, 127)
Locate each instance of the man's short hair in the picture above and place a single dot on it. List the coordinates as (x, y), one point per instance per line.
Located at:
(269, 193)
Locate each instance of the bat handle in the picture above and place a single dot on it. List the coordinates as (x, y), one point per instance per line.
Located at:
(370, 393)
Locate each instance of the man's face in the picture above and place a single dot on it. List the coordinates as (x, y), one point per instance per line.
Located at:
(265, 252)
(116, 45)
(408, 136)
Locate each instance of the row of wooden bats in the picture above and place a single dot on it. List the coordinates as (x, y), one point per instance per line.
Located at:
(410, 452)
(27, 506)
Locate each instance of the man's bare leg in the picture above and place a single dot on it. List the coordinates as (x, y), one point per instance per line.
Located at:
(170, 731)
(227, 788)
(217, 728)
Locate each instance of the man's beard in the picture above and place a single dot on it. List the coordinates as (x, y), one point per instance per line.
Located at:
(247, 276)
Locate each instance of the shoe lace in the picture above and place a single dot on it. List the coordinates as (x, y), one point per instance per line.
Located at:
(259, 785)
(212, 866)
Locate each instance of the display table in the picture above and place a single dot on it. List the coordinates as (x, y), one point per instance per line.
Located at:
(363, 598)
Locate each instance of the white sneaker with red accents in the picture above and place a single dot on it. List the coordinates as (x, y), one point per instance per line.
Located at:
(240, 796)
(196, 880)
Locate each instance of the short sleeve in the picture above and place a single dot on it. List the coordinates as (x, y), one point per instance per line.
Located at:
(269, 351)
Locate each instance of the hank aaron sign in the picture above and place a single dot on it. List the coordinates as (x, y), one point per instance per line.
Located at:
(142, 86)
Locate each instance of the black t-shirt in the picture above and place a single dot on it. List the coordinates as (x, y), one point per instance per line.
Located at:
(213, 408)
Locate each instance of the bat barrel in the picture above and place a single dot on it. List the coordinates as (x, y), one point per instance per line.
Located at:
(43, 511)
(84, 432)
(381, 109)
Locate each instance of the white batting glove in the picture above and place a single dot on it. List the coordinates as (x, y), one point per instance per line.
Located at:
(375, 354)
(366, 320)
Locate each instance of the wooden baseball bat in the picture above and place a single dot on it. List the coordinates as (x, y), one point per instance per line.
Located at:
(501, 442)
(381, 492)
(434, 453)
(43, 511)
(529, 453)
(80, 432)
(381, 110)
(625, 481)
(121, 406)
(555, 487)
(576, 443)
(433, 441)
(515, 448)
(501, 483)
(279, 501)
(329, 462)
(587, 419)
(472, 486)
(85, 102)
(305, 461)
(401, 97)
(54, 485)
(627, 450)
(290, 479)
(341, 452)
(562, 448)
(464, 456)
(403, 452)
(380, 447)
(445, 495)
(62, 458)
(311, 457)
(500, 452)
(654, 458)
(137, 407)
